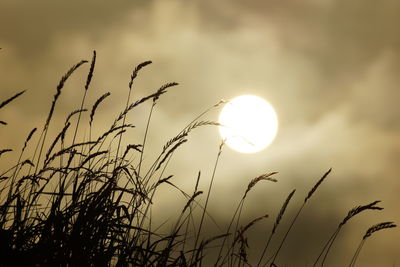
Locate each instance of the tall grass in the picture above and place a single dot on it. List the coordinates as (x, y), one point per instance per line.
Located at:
(80, 201)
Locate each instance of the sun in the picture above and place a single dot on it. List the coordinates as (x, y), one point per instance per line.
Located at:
(248, 123)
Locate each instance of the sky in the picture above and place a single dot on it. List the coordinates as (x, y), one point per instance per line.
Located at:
(329, 68)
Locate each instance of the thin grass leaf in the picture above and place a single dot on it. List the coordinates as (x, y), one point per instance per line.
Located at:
(310, 193)
(158, 93)
(276, 224)
(282, 211)
(90, 74)
(130, 147)
(317, 185)
(77, 111)
(59, 136)
(353, 212)
(164, 180)
(2, 151)
(119, 133)
(59, 88)
(5, 102)
(170, 152)
(197, 181)
(358, 209)
(186, 131)
(27, 161)
(212, 239)
(379, 227)
(247, 226)
(263, 177)
(111, 130)
(29, 138)
(136, 71)
(96, 104)
(369, 232)
(91, 156)
(196, 194)
(67, 150)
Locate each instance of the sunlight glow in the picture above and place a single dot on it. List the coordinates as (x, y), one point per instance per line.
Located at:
(249, 123)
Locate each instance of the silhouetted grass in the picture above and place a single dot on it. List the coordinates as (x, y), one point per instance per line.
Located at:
(79, 201)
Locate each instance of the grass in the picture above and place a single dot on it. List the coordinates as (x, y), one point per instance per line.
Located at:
(81, 201)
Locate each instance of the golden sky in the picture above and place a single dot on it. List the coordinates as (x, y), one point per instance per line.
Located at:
(329, 67)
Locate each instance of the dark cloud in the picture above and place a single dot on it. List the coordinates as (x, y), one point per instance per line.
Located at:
(31, 27)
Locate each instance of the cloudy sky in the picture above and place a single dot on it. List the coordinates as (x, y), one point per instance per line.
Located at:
(329, 67)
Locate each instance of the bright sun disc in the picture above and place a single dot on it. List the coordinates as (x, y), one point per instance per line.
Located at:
(248, 123)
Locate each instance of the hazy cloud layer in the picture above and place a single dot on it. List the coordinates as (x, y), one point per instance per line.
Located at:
(330, 68)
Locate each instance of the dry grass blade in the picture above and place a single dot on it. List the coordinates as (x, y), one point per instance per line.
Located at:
(119, 133)
(96, 104)
(155, 95)
(282, 211)
(164, 180)
(29, 138)
(317, 185)
(276, 224)
(378, 227)
(310, 193)
(244, 245)
(353, 212)
(162, 90)
(27, 161)
(197, 181)
(129, 147)
(186, 131)
(263, 177)
(2, 151)
(59, 136)
(136, 70)
(67, 150)
(198, 193)
(370, 231)
(208, 241)
(170, 151)
(11, 98)
(74, 113)
(356, 210)
(91, 156)
(247, 226)
(208, 195)
(243, 240)
(59, 87)
(90, 74)
(113, 129)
